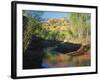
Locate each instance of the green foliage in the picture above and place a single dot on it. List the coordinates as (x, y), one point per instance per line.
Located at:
(54, 29)
(31, 22)
(75, 29)
(80, 24)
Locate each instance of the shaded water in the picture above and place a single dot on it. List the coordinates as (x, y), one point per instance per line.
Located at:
(55, 59)
(51, 54)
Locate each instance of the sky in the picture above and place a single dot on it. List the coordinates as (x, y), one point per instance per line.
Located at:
(49, 14)
(56, 15)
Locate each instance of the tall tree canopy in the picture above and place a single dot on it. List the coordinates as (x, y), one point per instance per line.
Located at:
(31, 22)
(80, 25)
